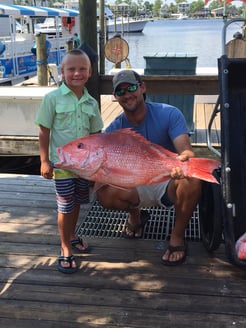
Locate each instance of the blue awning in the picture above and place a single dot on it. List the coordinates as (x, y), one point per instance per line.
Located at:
(12, 10)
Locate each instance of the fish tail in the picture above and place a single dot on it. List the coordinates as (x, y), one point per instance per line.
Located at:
(202, 168)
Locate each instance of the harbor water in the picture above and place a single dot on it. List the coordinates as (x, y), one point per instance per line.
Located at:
(199, 37)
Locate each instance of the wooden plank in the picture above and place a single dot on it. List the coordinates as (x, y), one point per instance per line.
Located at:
(123, 316)
(152, 300)
(171, 84)
(110, 109)
(121, 283)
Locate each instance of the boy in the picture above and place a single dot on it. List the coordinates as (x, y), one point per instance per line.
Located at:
(66, 114)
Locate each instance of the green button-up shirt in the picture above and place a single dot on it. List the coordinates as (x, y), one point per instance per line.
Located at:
(68, 117)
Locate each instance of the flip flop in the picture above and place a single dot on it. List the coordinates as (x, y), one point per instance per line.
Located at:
(79, 241)
(70, 268)
(144, 217)
(173, 249)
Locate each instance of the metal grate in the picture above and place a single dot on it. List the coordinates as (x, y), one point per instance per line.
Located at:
(104, 223)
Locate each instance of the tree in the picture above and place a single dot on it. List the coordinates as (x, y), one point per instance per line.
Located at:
(157, 7)
(215, 4)
(196, 6)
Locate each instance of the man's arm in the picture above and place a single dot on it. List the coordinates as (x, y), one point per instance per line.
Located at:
(183, 147)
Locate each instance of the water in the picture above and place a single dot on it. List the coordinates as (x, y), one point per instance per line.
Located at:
(202, 38)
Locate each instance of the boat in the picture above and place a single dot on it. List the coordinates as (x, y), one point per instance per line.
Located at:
(118, 25)
(115, 24)
(179, 16)
(126, 25)
(17, 39)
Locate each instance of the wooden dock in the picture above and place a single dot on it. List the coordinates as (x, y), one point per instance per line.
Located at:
(121, 283)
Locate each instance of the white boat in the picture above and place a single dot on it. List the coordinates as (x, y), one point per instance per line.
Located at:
(119, 25)
(180, 16)
(126, 25)
(17, 39)
(115, 24)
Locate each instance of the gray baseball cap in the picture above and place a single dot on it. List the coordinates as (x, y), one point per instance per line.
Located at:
(126, 76)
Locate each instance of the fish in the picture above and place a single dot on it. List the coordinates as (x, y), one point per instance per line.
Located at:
(240, 247)
(125, 159)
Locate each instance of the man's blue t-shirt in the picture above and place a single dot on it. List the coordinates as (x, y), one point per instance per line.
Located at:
(162, 124)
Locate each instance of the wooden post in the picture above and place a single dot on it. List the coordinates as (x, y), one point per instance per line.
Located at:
(88, 22)
(41, 59)
(102, 38)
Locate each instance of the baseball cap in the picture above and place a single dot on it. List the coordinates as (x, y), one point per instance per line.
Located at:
(126, 76)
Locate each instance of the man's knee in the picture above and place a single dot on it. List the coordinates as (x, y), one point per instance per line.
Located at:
(104, 197)
(192, 188)
(188, 188)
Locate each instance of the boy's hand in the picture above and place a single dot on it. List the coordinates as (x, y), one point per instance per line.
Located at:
(46, 170)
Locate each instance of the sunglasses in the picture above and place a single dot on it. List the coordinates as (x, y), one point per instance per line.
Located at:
(122, 91)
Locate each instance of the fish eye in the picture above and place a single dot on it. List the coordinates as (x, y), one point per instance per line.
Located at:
(80, 145)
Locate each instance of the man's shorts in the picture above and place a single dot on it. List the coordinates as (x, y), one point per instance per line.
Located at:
(154, 195)
(71, 191)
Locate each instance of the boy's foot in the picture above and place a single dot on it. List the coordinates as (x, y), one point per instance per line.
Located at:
(80, 246)
(67, 264)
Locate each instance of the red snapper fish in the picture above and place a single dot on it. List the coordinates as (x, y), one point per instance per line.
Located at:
(125, 159)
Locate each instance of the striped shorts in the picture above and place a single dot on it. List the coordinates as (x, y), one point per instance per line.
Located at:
(71, 191)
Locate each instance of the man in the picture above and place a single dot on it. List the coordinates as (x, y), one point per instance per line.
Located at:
(76, 41)
(164, 125)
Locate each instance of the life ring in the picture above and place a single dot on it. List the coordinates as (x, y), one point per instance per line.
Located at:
(68, 22)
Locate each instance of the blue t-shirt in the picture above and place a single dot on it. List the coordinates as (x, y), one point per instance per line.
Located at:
(162, 124)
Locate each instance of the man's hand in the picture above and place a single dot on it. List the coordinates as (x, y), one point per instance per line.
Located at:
(177, 173)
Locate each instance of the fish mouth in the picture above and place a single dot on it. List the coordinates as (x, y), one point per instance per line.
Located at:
(67, 160)
(64, 159)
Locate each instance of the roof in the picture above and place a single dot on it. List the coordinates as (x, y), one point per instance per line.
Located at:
(12, 10)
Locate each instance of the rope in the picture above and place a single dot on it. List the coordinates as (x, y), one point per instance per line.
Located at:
(41, 62)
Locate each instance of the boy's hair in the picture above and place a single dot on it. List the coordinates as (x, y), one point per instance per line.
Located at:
(75, 52)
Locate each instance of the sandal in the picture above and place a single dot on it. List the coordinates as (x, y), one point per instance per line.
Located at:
(70, 268)
(173, 249)
(79, 241)
(144, 217)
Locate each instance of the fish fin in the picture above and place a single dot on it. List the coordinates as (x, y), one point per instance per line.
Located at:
(99, 185)
(131, 132)
(57, 165)
(155, 147)
(202, 168)
(166, 152)
(159, 179)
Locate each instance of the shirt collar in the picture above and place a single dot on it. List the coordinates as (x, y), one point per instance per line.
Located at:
(65, 90)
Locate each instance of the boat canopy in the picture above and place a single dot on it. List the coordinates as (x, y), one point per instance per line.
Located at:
(13, 10)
